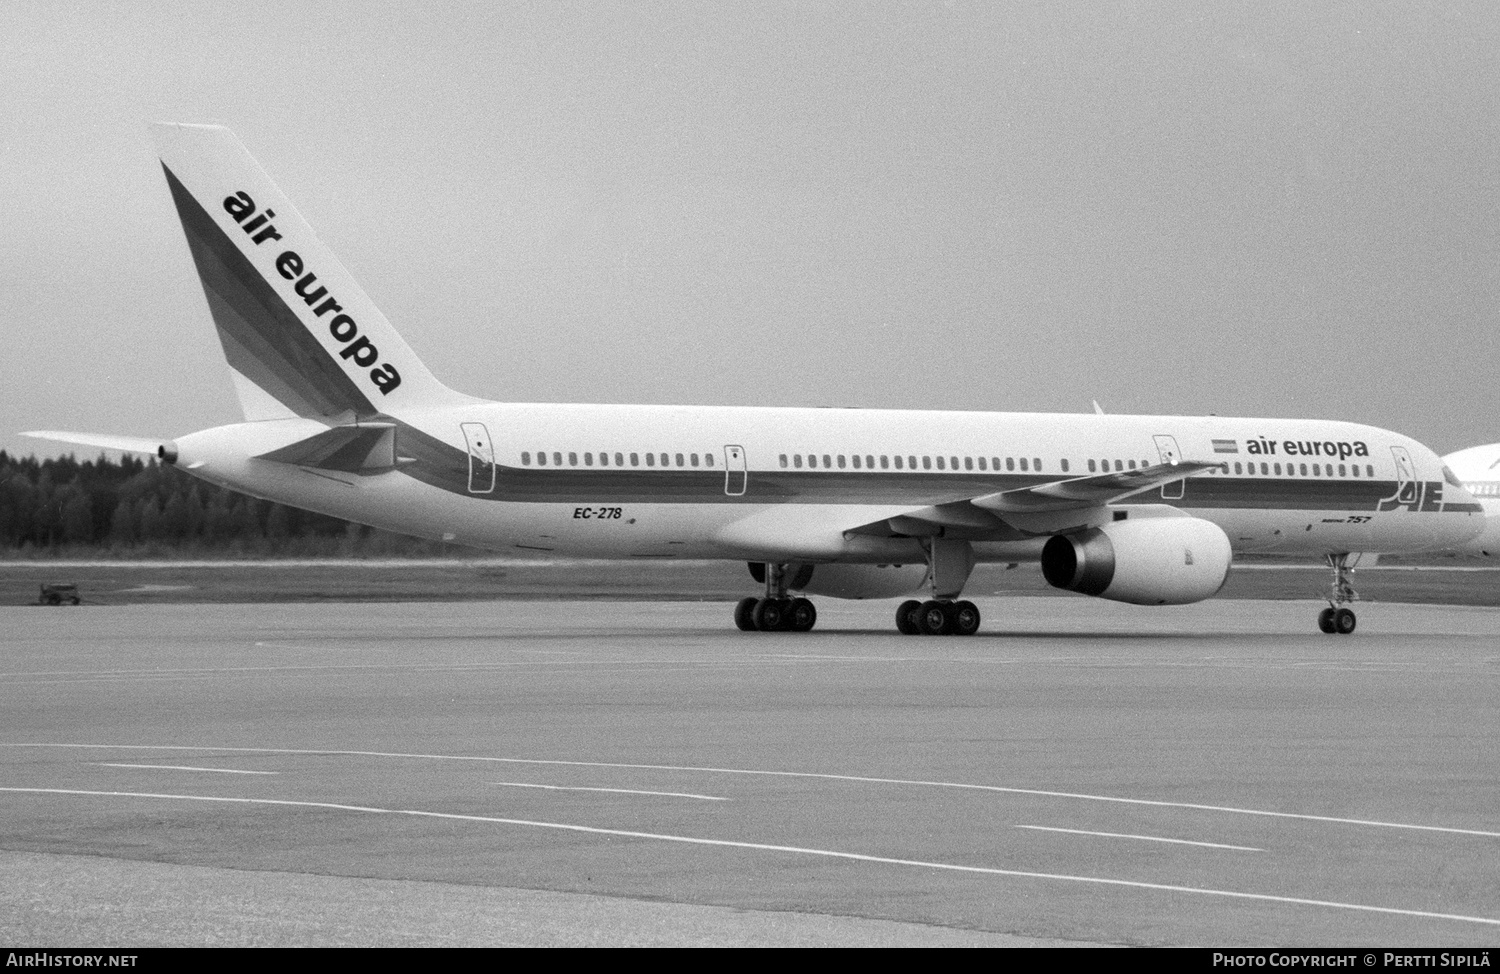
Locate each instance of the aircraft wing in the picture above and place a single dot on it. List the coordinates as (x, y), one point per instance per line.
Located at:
(1028, 511)
(1104, 488)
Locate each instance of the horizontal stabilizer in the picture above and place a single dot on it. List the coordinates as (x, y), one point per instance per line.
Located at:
(368, 448)
(125, 444)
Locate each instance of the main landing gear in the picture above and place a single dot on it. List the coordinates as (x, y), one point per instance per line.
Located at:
(777, 612)
(1338, 618)
(949, 564)
(937, 618)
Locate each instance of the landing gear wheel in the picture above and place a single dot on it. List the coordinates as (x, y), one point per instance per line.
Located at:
(963, 618)
(906, 618)
(771, 615)
(1344, 621)
(802, 616)
(744, 614)
(1325, 620)
(934, 618)
(768, 615)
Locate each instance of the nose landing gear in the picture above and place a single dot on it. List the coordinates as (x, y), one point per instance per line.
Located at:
(1337, 618)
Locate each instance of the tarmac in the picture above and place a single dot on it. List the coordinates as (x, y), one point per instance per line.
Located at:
(640, 773)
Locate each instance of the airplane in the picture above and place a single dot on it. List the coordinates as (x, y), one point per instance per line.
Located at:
(1478, 469)
(343, 419)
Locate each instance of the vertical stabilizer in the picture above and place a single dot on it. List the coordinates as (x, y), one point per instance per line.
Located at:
(301, 337)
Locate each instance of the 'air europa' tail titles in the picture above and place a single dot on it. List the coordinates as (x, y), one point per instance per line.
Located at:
(300, 335)
(289, 265)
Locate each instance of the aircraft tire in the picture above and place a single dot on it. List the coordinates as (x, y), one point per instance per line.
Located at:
(963, 618)
(770, 615)
(744, 614)
(906, 618)
(802, 616)
(934, 618)
(1344, 621)
(1325, 620)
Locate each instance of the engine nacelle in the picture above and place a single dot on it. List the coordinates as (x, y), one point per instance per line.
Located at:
(850, 581)
(1151, 561)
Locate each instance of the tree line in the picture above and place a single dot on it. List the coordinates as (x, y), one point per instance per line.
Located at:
(142, 508)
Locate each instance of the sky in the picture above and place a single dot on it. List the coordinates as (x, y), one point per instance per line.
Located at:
(1256, 209)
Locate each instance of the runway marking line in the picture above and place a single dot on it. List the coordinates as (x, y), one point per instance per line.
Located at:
(771, 847)
(616, 791)
(1145, 838)
(813, 775)
(180, 767)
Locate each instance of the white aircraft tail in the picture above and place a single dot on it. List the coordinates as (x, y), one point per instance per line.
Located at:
(302, 338)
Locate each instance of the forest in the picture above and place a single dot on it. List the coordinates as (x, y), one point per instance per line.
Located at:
(133, 508)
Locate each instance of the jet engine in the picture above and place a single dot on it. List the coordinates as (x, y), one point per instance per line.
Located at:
(1151, 561)
(851, 581)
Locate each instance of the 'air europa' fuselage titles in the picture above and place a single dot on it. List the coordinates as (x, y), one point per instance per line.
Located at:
(289, 266)
(1339, 450)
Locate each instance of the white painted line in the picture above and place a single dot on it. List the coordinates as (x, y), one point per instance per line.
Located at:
(1144, 838)
(813, 775)
(615, 791)
(789, 849)
(179, 767)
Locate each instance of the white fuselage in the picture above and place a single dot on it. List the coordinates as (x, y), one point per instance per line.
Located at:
(794, 484)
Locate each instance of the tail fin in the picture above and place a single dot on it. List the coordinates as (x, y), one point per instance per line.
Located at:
(302, 338)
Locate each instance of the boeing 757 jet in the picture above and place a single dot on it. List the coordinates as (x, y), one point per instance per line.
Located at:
(342, 418)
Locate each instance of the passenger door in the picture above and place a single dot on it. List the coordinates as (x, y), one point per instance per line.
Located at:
(735, 475)
(481, 458)
(1166, 448)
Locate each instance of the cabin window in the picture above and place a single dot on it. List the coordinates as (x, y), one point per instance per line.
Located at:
(1302, 468)
(898, 462)
(679, 461)
(784, 461)
(869, 461)
(968, 463)
(1091, 466)
(588, 459)
(708, 459)
(604, 459)
(827, 462)
(620, 459)
(541, 458)
(1354, 469)
(1010, 463)
(855, 458)
(1023, 463)
(1065, 466)
(1341, 470)
(797, 460)
(940, 463)
(841, 461)
(650, 459)
(954, 463)
(1369, 470)
(635, 459)
(927, 463)
(525, 458)
(1036, 464)
(884, 462)
(995, 464)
